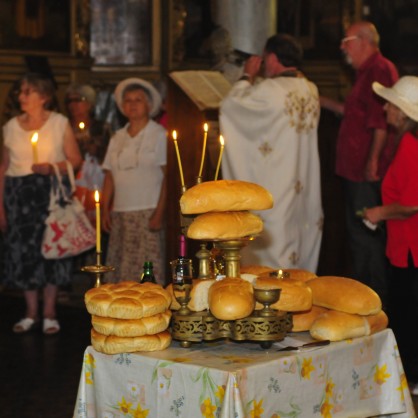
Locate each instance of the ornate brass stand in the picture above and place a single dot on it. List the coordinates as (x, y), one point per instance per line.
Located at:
(264, 326)
(97, 269)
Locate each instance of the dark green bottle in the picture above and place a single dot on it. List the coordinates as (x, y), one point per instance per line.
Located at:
(148, 274)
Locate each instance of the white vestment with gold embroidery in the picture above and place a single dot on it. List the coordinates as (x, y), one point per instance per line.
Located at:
(270, 132)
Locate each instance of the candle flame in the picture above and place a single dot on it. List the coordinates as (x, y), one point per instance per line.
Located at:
(96, 196)
(221, 140)
(81, 125)
(34, 138)
(175, 135)
(205, 127)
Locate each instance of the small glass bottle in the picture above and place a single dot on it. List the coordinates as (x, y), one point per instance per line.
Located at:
(148, 273)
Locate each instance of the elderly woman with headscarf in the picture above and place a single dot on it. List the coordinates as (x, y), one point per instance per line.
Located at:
(400, 211)
(134, 191)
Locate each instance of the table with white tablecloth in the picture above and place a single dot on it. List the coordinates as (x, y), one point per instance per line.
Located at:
(360, 377)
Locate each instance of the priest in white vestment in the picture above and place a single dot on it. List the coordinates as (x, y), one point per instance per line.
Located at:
(270, 132)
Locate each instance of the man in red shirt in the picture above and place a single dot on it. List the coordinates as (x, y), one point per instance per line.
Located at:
(363, 151)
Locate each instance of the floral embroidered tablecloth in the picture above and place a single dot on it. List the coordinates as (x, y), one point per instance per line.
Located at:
(362, 377)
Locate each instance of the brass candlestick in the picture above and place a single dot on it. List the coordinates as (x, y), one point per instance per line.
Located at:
(231, 254)
(97, 269)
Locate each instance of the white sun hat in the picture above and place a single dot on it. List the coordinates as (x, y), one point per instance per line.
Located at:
(154, 96)
(403, 94)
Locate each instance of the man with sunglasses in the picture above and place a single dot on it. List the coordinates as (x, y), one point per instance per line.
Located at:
(363, 150)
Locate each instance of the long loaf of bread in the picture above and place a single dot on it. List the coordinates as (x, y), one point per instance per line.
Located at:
(225, 225)
(345, 295)
(225, 195)
(338, 326)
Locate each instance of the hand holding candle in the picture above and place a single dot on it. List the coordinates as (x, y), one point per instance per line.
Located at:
(178, 159)
(34, 141)
(221, 140)
(205, 136)
(98, 240)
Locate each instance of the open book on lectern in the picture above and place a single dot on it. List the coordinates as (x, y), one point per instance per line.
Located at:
(205, 88)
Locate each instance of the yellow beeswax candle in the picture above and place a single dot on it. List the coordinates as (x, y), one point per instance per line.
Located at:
(205, 136)
(178, 158)
(34, 141)
(221, 140)
(98, 239)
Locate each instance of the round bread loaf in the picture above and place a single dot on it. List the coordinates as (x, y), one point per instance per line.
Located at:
(257, 270)
(295, 295)
(132, 327)
(299, 274)
(345, 295)
(338, 326)
(116, 345)
(199, 295)
(302, 321)
(225, 225)
(127, 300)
(225, 195)
(231, 298)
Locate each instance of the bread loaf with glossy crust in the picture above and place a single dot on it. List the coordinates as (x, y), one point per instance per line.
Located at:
(114, 345)
(337, 326)
(127, 300)
(302, 321)
(132, 327)
(225, 195)
(295, 295)
(225, 225)
(257, 270)
(231, 298)
(300, 274)
(345, 295)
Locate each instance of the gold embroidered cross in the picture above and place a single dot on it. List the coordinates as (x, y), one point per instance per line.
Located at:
(298, 187)
(294, 258)
(265, 149)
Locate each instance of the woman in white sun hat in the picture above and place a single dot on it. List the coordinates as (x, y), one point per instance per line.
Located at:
(400, 211)
(134, 189)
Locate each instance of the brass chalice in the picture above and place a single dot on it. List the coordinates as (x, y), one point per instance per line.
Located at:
(267, 297)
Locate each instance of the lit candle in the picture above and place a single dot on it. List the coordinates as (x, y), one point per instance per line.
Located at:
(81, 125)
(34, 141)
(205, 136)
(98, 241)
(221, 140)
(178, 159)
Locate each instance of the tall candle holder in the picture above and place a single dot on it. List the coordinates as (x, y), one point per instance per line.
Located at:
(98, 269)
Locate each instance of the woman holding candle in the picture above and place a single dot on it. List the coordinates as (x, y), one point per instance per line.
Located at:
(134, 190)
(24, 198)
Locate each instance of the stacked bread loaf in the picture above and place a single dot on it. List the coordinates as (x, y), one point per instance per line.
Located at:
(128, 317)
(354, 309)
(223, 209)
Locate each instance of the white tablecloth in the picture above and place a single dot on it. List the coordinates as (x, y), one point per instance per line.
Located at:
(361, 377)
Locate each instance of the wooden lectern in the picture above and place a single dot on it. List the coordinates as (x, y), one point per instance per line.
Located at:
(186, 115)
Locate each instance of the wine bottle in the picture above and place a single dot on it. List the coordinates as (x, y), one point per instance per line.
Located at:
(148, 273)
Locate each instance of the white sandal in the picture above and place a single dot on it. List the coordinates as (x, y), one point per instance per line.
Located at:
(25, 325)
(50, 326)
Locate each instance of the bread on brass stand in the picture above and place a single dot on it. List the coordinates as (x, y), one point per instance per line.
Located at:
(223, 215)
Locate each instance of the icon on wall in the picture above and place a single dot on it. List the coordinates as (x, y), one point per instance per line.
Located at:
(121, 32)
